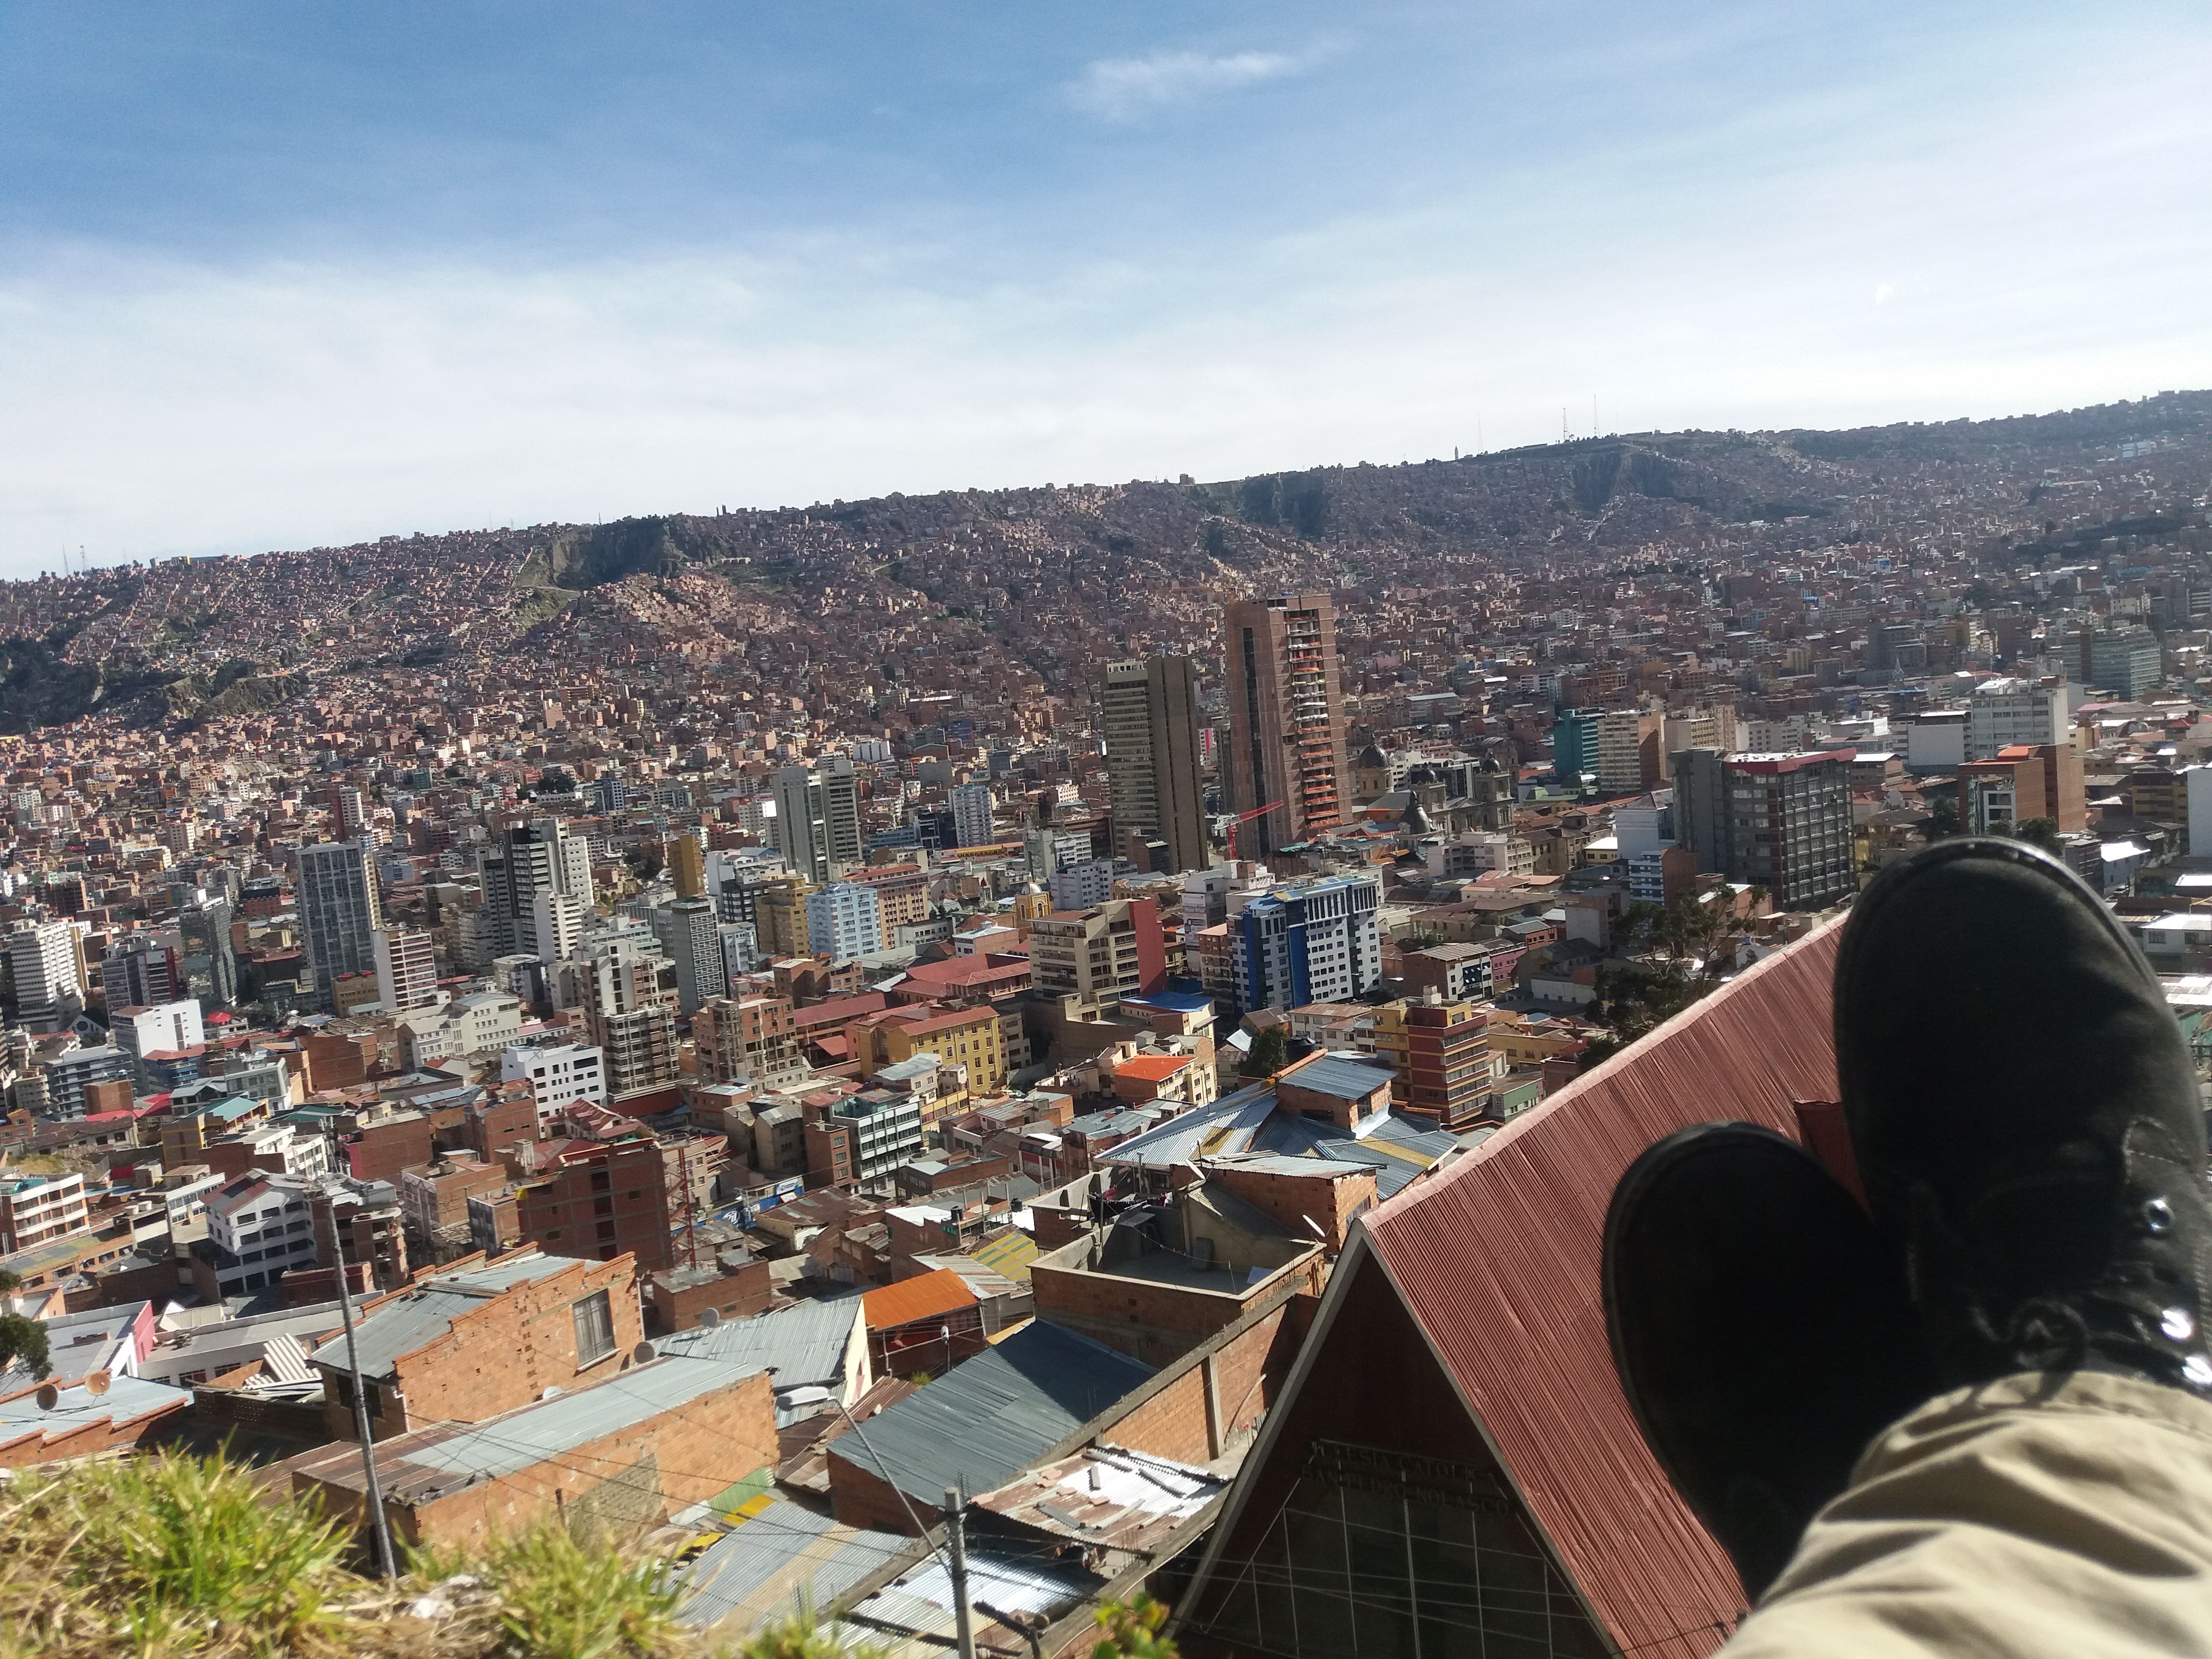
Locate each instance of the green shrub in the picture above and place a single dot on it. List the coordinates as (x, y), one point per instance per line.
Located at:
(560, 1598)
(167, 1554)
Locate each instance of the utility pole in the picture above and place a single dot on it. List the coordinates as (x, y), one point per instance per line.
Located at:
(374, 1488)
(955, 1534)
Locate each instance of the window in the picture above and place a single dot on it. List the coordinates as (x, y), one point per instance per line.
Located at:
(595, 1328)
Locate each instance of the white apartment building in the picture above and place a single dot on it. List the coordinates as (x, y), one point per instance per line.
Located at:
(162, 1029)
(557, 1073)
(844, 919)
(1080, 885)
(37, 1209)
(406, 969)
(473, 1025)
(2002, 713)
(261, 1227)
(1783, 737)
(818, 817)
(49, 975)
(1317, 940)
(971, 815)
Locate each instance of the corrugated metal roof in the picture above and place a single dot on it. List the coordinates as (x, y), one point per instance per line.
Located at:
(1497, 1260)
(1222, 1125)
(917, 1299)
(1346, 1080)
(1108, 1497)
(535, 1433)
(994, 1414)
(400, 1327)
(1009, 1255)
(805, 1346)
(522, 1268)
(920, 1603)
(774, 1558)
(988, 1286)
(287, 1361)
(127, 1400)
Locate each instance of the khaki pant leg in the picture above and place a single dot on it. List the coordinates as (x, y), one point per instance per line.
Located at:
(2067, 1516)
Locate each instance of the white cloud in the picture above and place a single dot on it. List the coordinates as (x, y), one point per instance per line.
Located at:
(1127, 88)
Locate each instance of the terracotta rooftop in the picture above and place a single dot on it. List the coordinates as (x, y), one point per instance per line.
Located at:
(916, 1298)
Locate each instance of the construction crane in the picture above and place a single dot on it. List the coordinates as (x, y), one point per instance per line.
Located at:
(1236, 828)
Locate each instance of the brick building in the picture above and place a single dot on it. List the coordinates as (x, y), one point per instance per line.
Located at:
(680, 1431)
(598, 1199)
(485, 1337)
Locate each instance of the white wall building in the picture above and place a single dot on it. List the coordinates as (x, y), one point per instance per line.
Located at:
(49, 980)
(844, 919)
(557, 1073)
(2198, 783)
(406, 969)
(261, 1227)
(971, 814)
(2002, 713)
(473, 1025)
(163, 1028)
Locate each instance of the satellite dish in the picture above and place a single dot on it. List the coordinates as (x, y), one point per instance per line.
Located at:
(96, 1382)
(643, 1354)
(48, 1396)
(709, 1317)
(552, 1392)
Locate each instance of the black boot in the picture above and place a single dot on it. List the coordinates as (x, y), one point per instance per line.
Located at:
(1761, 1329)
(2025, 1118)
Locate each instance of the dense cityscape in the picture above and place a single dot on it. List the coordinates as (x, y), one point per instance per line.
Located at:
(934, 992)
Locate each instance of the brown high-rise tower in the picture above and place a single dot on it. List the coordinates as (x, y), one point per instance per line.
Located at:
(1285, 719)
(1150, 712)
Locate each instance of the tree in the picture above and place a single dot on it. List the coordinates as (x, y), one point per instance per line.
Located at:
(9, 1282)
(25, 1340)
(1270, 1053)
(2039, 832)
(1942, 820)
(1133, 1631)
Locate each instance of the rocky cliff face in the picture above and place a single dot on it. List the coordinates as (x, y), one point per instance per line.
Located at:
(609, 552)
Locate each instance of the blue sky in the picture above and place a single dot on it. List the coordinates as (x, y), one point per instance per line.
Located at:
(282, 276)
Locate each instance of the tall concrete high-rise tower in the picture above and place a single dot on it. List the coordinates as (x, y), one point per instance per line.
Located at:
(1285, 719)
(818, 818)
(687, 866)
(1150, 712)
(339, 909)
(525, 865)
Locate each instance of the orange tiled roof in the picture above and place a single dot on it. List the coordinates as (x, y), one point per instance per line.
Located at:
(916, 1298)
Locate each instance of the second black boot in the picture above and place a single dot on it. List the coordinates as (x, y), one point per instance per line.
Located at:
(1761, 1329)
(2026, 1119)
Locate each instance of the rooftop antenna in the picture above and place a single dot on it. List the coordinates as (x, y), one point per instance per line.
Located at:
(1593, 414)
(1563, 423)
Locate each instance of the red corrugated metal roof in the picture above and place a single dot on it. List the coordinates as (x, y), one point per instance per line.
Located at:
(916, 1298)
(1151, 1068)
(1497, 1260)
